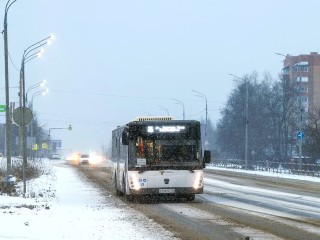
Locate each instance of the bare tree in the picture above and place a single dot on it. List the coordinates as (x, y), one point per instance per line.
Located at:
(312, 135)
(270, 119)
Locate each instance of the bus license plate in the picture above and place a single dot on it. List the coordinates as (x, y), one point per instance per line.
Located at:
(167, 190)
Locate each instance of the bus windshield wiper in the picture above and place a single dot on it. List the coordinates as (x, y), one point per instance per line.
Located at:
(193, 168)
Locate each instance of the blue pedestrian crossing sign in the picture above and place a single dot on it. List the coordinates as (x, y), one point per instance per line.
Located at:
(300, 135)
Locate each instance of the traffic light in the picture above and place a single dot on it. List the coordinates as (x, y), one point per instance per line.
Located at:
(69, 128)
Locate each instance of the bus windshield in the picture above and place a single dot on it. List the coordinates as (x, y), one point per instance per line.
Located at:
(151, 152)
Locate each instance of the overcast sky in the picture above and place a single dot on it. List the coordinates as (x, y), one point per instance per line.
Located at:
(115, 60)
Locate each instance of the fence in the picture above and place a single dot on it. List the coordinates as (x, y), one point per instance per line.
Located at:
(271, 166)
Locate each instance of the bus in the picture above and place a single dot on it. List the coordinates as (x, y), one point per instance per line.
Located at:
(158, 156)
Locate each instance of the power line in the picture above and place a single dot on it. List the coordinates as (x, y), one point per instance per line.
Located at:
(119, 96)
(196, 113)
(74, 120)
(12, 62)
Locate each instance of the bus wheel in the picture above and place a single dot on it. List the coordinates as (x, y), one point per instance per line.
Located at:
(118, 192)
(127, 198)
(190, 197)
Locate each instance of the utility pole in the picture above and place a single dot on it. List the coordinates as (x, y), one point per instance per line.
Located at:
(8, 113)
(300, 125)
(199, 94)
(246, 119)
(247, 123)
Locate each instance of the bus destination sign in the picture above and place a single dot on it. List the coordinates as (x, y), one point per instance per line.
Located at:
(165, 129)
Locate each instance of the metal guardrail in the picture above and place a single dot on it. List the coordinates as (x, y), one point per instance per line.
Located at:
(271, 166)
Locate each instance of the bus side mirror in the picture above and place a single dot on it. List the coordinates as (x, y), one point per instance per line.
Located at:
(207, 156)
(125, 137)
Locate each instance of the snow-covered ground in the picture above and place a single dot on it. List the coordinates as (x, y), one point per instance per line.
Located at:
(63, 206)
(270, 174)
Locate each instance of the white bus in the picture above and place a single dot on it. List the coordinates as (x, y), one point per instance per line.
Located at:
(158, 156)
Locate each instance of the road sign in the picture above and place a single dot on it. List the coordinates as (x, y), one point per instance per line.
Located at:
(2, 108)
(35, 147)
(22, 116)
(300, 135)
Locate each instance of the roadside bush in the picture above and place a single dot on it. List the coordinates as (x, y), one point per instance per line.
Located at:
(34, 169)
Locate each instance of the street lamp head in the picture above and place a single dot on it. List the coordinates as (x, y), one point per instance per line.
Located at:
(177, 101)
(280, 54)
(43, 92)
(235, 76)
(244, 79)
(36, 46)
(182, 104)
(40, 53)
(51, 38)
(199, 94)
(43, 83)
(38, 93)
(164, 108)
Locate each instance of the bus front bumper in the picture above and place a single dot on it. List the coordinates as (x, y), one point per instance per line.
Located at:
(166, 191)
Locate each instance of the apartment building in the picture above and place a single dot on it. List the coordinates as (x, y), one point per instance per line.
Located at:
(304, 72)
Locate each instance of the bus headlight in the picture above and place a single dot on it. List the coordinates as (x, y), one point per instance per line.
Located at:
(134, 182)
(198, 182)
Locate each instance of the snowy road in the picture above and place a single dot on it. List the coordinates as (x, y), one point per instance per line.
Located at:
(241, 206)
(264, 201)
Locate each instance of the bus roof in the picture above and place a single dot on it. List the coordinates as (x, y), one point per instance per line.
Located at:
(165, 122)
(153, 118)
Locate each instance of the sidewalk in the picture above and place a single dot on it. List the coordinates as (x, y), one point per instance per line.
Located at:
(67, 207)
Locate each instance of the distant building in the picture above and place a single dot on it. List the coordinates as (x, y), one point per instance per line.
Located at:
(304, 72)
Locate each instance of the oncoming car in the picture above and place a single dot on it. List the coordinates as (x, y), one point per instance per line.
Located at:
(56, 156)
(84, 159)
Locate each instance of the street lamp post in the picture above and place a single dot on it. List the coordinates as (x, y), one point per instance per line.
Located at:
(28, 54)
(165, 109)
(8, 117)
(181, 103)
(39, 84)
(38, 93)
(247, 121)
(205, 97)
(51, 129)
